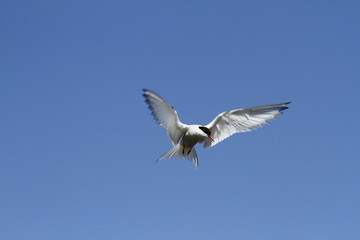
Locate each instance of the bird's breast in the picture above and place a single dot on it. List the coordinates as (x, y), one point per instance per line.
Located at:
(191, 138)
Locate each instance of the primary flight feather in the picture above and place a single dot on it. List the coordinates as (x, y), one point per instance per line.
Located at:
(185, 137)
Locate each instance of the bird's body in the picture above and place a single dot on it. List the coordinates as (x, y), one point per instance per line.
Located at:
(184, 137)
(192, 136)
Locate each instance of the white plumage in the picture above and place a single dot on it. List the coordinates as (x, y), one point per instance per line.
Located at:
(185, 137)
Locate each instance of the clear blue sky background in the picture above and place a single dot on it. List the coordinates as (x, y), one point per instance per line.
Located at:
(78, 145)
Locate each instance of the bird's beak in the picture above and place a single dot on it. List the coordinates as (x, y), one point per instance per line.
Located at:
(211, 138)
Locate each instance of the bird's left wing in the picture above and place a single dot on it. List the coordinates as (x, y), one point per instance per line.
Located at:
(165, 115)
(241, 120)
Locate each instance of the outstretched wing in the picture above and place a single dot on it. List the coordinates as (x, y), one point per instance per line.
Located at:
(241, 120)
(165, 115)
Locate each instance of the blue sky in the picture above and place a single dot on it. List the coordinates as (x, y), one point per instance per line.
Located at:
(78, 144)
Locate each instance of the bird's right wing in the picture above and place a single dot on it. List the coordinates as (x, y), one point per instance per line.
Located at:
(165, 115)
(241, 120)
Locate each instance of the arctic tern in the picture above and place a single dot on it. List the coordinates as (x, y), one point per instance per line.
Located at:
(185, 137)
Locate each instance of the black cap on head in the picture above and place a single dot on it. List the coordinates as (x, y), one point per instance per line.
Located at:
(205, 130)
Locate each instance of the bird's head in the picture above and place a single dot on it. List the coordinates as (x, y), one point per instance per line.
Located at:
(207, 132)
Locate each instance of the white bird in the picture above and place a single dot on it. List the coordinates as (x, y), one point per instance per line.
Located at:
(185, 137)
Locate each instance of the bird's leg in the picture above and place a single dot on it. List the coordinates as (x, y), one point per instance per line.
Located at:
(189, 151)
(183, 151)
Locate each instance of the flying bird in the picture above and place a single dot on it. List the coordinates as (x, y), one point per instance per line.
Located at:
(184, 137)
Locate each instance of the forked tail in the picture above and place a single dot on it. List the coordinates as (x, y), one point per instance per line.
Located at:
(178, 151)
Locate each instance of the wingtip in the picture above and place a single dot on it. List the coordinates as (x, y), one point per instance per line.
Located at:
(284, 108)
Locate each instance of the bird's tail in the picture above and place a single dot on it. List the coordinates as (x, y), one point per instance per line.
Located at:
(178, 151)
(192, 156)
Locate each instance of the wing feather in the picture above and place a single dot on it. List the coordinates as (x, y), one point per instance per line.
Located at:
(165, 115)
(241, 120)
